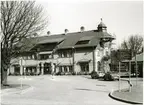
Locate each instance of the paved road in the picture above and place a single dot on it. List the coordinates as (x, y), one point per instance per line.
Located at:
(63, 90)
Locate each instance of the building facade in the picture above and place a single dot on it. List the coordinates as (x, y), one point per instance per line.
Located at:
(77, 52)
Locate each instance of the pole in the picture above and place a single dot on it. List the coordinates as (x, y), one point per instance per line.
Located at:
(119, 77)
(129, 70)
(130, 75)
(136, 69)
(21, 70)
(73, 59)
(93, 59)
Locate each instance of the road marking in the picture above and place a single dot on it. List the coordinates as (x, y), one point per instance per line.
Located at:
(101, 85)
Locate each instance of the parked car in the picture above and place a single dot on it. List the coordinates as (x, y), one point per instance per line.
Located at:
(111, 76)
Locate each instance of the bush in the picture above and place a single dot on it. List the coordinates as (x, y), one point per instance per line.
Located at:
(32, 73)
(10, 73)
(108, 77)
(73, 73)
(94, 75)
(68, 73)
(62, 73)
(86, 73)
(16, 73)
(58, 73)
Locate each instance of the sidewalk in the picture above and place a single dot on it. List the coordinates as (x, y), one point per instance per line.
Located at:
(133, 97)
(15, 88)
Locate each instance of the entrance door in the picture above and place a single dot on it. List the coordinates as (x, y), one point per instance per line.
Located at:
(17, 70)
(47, 68)
(84, 66)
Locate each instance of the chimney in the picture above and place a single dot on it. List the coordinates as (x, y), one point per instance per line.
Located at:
(82, 28)
(66, 31)
(48, 33)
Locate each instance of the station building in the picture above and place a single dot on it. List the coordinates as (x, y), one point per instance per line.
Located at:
(77, 52)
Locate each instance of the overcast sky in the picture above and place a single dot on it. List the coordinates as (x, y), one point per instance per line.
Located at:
(122, 18)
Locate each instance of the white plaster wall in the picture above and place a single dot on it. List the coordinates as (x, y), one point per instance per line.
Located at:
(65, 61)
(87, 55)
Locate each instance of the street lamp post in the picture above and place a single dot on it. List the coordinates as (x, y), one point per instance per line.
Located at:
(21, 67)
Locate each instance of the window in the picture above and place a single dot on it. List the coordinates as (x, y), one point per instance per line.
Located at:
(46, 56)
(70, 69)
(63, 54)
(84, 67)
(60, 68)
(29, 57)
(82, 42)
(66, 68)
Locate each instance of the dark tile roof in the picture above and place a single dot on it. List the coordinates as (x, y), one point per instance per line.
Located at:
(93, 36)
(67, 41)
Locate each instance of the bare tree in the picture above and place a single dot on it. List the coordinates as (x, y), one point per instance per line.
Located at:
(134, 43)
(19, 20)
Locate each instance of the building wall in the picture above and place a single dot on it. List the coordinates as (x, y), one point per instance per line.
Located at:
(81, 54)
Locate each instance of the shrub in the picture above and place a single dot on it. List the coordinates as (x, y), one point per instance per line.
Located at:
(68, 73)
(94, 75)
(73, 73)
(10, 73)
(108, 77)
(16, 73)
(58, 73)
(32, 74)
(62, 73)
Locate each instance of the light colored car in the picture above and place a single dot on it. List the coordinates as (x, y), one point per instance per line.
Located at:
(101, 74)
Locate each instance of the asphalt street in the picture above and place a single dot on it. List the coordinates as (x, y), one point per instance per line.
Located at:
(62, 90)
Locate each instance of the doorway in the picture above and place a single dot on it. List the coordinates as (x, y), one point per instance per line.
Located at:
(47, 68)
(84, 66)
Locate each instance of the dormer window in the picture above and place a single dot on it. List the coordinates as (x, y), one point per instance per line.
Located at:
(83, 42)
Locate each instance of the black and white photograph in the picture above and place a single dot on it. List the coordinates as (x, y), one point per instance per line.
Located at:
(71, 52)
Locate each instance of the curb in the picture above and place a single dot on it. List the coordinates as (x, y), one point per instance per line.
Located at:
(16, 91)
(120, 99)
(27, 89)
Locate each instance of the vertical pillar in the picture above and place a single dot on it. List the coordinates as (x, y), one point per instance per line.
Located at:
(62, 69)
(52, 68)
(38, 69)
(42, 69)
(68, 69)
(21, 66)
(24, 72)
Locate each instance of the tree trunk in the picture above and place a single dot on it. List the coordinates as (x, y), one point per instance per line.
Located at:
(3, 76)
(4, 69)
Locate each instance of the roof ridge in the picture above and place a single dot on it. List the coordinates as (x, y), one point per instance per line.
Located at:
(67, 33)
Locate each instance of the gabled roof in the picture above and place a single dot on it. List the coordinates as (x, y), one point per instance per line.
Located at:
(67, 41)
(52, 39)
(28, 43)
(93, 36)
